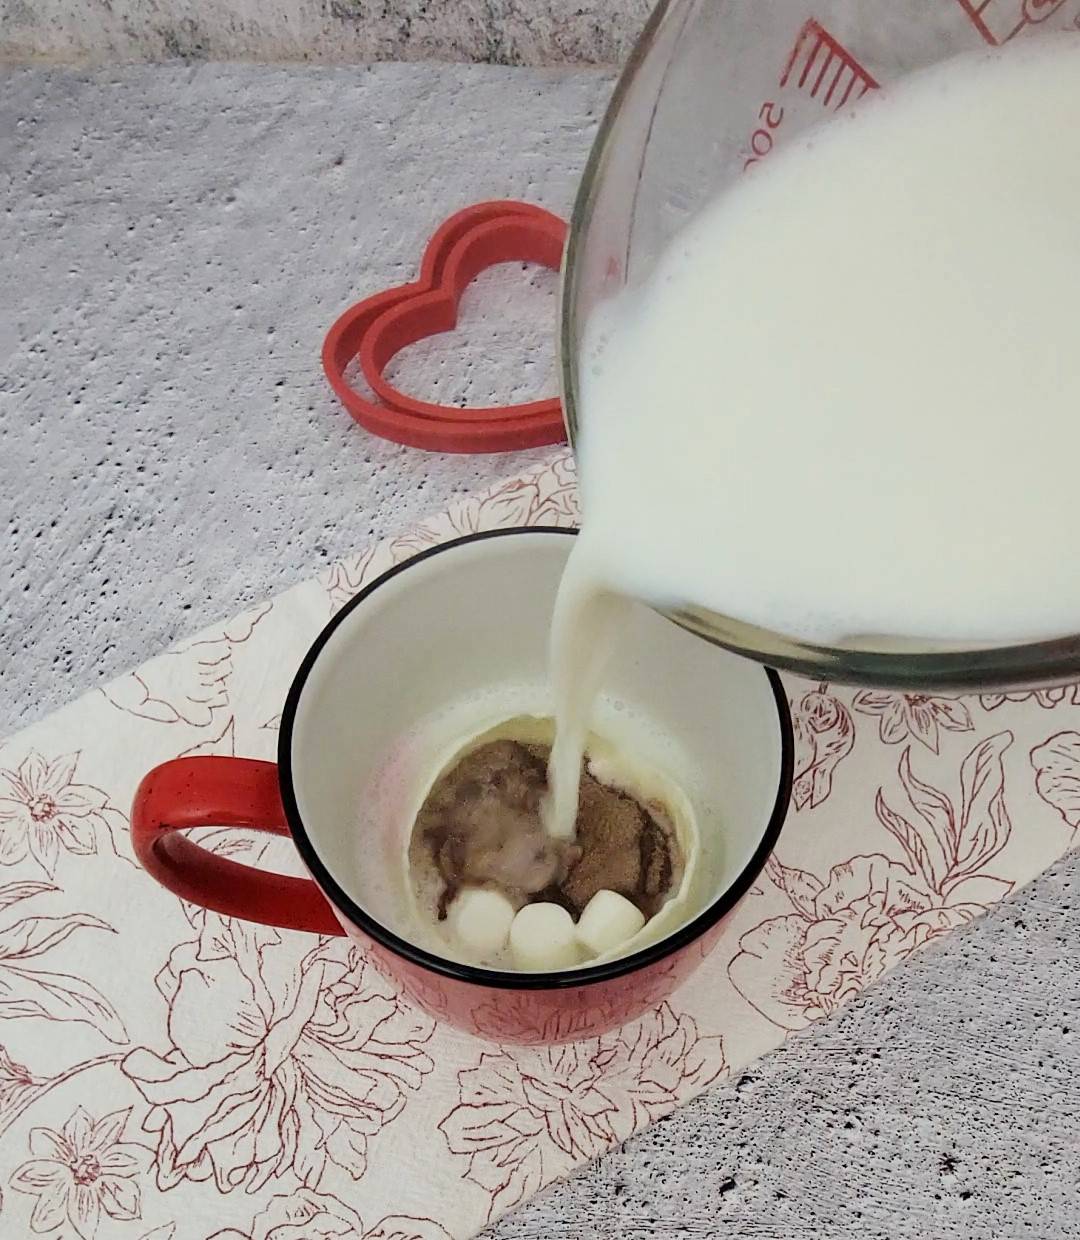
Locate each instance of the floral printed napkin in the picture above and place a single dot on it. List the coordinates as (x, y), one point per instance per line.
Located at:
(169, 1074)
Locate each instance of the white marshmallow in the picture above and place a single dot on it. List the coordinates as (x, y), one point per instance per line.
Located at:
(542, 937)
(608, 920)
(480, 920)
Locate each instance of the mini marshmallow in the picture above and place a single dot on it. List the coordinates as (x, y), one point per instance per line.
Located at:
(480, 920)
(542, 937)
(608, 920)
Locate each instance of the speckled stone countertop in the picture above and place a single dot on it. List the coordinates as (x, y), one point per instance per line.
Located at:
(176, 241)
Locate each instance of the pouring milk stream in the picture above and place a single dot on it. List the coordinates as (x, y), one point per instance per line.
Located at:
(903, 466)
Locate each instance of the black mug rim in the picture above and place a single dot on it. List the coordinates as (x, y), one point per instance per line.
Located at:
(504, 979)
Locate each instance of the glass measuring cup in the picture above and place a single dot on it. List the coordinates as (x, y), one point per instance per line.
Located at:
(712, 87)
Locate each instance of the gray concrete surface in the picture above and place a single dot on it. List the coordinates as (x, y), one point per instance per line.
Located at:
(175, 242)
(516, 32)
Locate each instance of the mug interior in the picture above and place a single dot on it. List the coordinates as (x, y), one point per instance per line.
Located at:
(454, 642)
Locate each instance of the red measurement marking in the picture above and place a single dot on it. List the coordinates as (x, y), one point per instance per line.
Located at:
(998, 21)
(819, 65)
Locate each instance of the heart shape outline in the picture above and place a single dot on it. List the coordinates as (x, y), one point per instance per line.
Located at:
(378, 327)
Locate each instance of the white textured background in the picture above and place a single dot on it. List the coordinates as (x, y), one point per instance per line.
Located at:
(516, 32)
(175, 242)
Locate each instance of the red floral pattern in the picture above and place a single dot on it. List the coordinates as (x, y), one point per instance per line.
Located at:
(1046, 698)
(871, 911)
(824, 736)
(80, 1173)
(43, 811)
(1056, 763)
(923, 718)
(348, 577)
(523, 1119)
(276, 1087)
(223, 743)
(188, 684)
(317, 1216)
(17, 1083)
(284, 1058)
(30, 992)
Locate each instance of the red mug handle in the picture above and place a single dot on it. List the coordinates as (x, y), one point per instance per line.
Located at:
(222, 792)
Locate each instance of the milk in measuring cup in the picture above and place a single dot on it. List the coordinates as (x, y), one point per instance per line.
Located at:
(846, 400)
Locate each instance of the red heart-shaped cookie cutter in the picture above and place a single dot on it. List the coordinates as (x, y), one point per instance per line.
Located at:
(380, 326)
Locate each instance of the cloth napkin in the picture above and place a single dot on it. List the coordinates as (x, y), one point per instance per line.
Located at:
(169, 1074)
